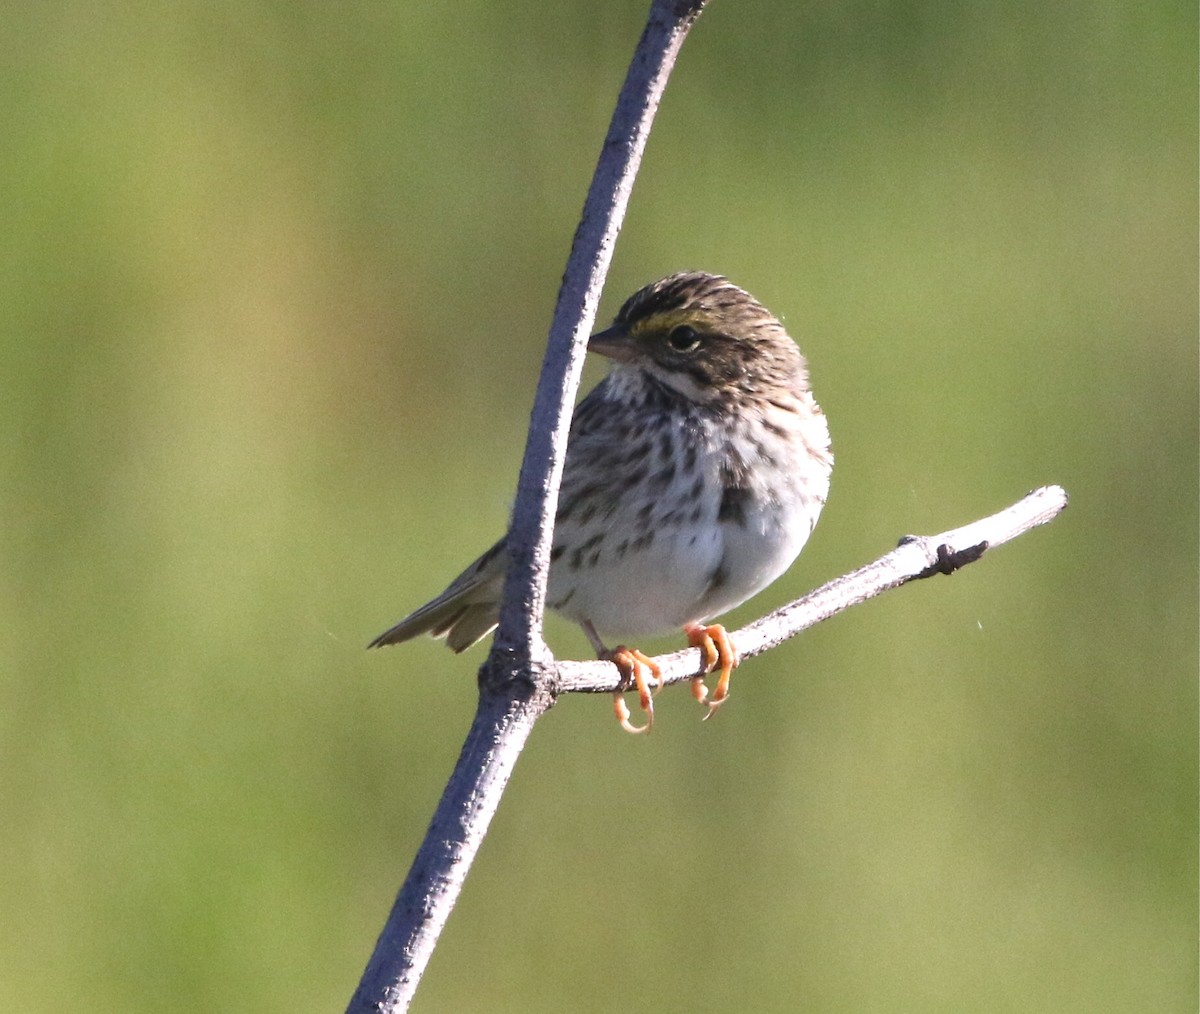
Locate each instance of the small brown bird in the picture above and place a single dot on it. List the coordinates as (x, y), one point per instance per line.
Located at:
(695, 473)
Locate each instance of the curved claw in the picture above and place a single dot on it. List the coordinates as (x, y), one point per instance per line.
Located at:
(720, 652)
(621, 710)
(635, 667)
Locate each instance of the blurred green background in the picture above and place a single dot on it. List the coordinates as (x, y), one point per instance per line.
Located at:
(276, 280)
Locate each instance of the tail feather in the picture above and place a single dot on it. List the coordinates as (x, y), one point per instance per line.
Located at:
(473, 624)
(437, 619)
(465, 612)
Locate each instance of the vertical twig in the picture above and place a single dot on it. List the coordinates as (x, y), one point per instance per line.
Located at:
(517, 684)
(520, 629)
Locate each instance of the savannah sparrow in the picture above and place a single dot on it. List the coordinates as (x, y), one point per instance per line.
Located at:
(695, 472)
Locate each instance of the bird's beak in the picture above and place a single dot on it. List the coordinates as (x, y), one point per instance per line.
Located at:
(612, 342)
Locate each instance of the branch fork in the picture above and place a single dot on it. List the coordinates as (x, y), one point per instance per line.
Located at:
(520, 679)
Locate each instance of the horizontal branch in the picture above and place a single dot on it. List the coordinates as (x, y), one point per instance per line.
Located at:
(914, 558)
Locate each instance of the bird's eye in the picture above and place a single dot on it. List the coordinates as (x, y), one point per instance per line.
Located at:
(683, 338)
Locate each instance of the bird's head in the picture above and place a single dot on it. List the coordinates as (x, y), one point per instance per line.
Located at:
(705, 338)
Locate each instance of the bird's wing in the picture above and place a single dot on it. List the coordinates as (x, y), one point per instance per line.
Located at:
(469, 608)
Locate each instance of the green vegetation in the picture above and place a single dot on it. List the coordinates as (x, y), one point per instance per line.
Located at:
(276, 280)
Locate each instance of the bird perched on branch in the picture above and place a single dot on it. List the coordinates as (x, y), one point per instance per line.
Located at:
(695, 472)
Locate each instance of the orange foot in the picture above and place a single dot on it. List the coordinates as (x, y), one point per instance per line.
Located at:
(718, 651)
(636, 668)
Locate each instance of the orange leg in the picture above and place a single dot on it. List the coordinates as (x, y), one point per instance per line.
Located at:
(636, 667)
(718, 651)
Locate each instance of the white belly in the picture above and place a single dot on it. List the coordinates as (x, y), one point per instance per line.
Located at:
(664, 556)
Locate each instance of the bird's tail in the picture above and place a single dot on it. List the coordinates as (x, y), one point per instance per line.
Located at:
(464, 613)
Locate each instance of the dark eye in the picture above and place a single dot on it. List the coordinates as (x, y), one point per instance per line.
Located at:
(683, 338)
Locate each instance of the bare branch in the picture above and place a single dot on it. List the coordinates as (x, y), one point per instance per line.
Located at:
(914, 558)
(520, 679)
(520, 631)
(517, 683)
(497, 736)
